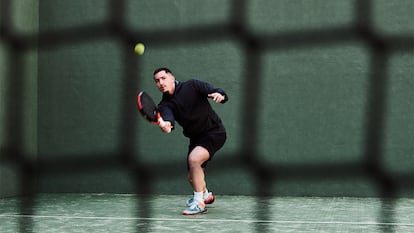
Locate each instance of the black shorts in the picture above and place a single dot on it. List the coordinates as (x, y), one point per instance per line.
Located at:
(212, 142)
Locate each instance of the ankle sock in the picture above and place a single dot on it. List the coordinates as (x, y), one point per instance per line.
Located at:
(205, 194)
(198, 196)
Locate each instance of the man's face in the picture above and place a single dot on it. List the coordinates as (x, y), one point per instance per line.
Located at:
(165, 82)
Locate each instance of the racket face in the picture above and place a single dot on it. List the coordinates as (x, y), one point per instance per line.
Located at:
(147, 107)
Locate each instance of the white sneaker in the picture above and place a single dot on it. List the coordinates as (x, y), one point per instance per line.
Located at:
(209, 200)
(195, 208)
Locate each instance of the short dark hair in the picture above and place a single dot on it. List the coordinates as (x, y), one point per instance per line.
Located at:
(162, 69)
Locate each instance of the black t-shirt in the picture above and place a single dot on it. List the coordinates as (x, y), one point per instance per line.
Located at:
(189, 106)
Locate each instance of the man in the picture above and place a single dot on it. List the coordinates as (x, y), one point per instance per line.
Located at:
(187, 103)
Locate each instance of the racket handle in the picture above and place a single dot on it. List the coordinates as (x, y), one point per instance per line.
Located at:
(162, 123)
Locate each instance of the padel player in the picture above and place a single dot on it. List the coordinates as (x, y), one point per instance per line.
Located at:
(187, 104)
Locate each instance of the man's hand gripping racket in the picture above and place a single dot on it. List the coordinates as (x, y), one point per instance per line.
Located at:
(149, 111)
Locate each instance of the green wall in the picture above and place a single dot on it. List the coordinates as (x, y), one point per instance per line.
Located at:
(313, 100)
(18, 94)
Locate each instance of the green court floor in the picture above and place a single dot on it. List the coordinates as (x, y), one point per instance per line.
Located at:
(131, 213)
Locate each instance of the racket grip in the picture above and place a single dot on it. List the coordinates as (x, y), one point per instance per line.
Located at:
(162, 123)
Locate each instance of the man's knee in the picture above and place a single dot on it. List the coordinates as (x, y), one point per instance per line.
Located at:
(198, 156)
(195, 161)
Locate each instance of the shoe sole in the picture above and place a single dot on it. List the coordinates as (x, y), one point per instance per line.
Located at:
(202, 212)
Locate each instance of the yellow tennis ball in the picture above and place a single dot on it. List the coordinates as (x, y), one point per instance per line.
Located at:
(139, 48)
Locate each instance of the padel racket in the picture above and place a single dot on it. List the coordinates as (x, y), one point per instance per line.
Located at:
(149, 110)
